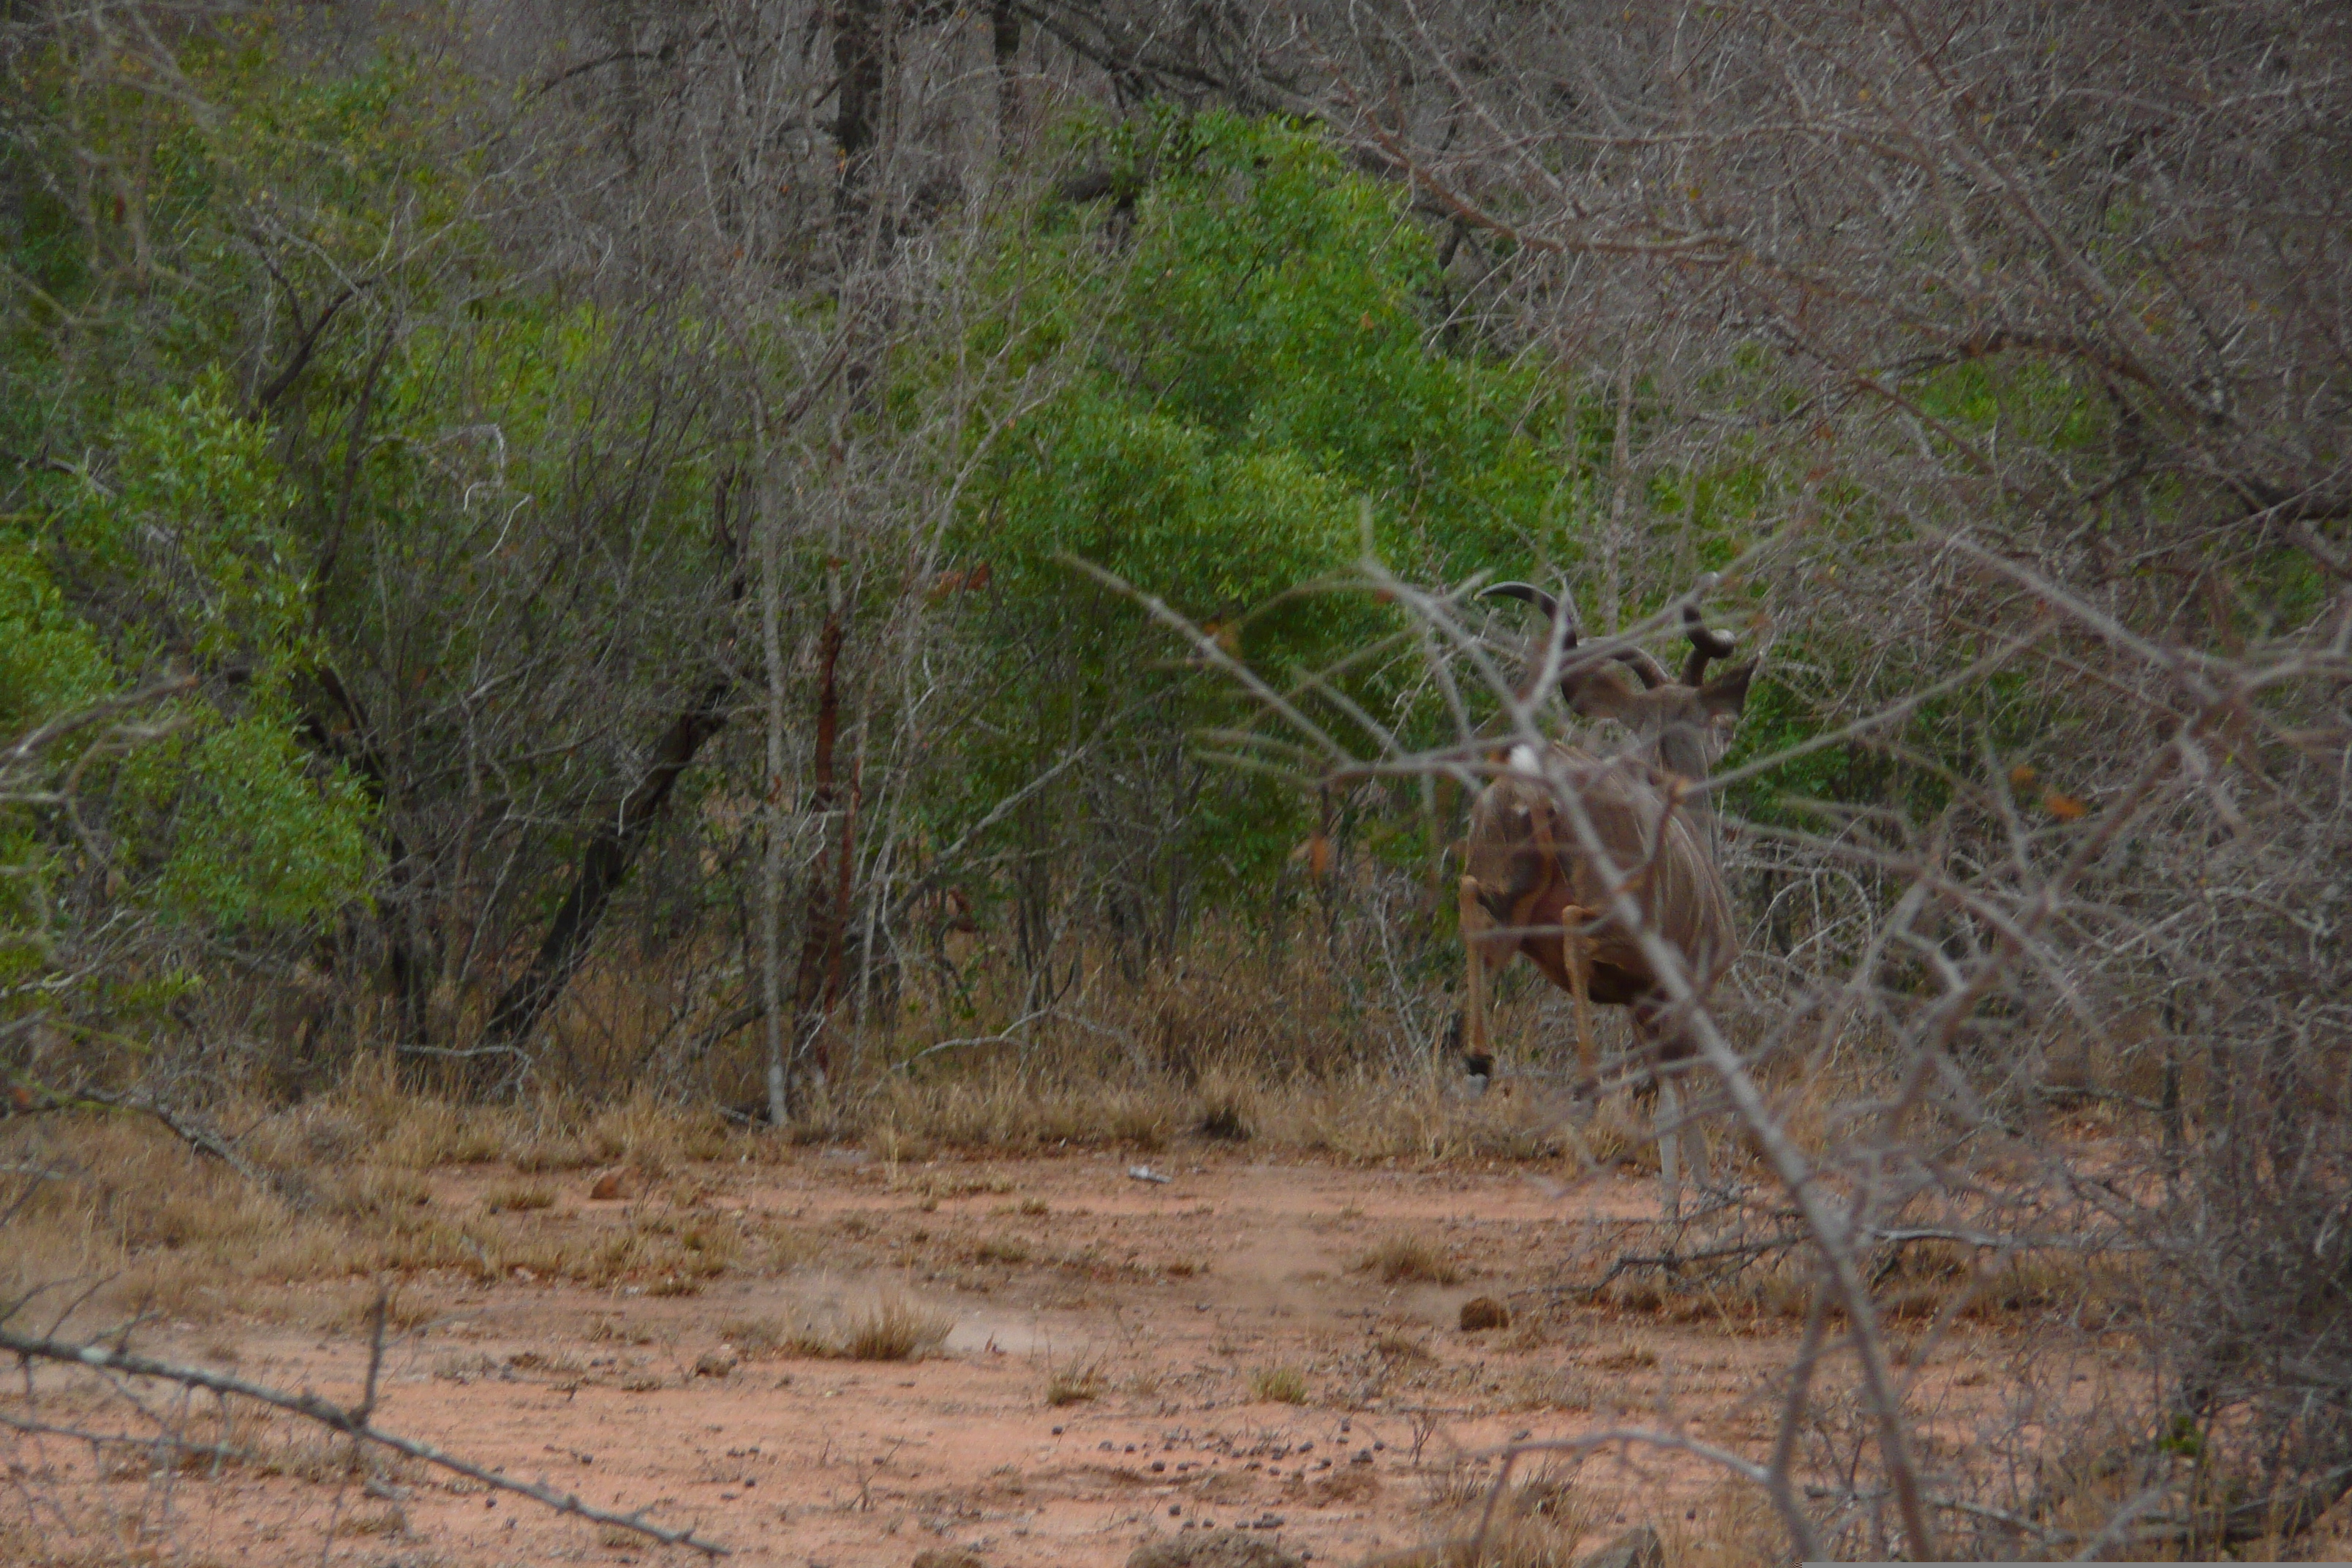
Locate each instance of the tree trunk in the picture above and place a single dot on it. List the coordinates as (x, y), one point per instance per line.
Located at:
(771, 880)
(1004, 37)
(819, 972)
(613, 849)
(355, 747)
(858, 52)
(603, 865)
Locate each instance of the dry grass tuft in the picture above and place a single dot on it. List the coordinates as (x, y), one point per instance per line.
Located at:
(1735, 1527)
(374, 1191)
(1279, 1384)
(1074, 1384)
(758, 1338)
(521, 1197)
(551, 1156)
(1538, 1523)
(1005, 1107)
(892, 1328)
(1409, 1259)
(388, 1520)
(1009, 1249)
(896, 1329)
(1619, 1133)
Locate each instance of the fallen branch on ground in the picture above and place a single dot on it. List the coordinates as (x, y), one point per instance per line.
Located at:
(354, 1422)
(198, 1134)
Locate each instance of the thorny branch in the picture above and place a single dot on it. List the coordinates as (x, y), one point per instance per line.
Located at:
(353, 1421)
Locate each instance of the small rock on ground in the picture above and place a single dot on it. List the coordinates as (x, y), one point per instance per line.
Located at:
(1212, 1549)
(1635, 1549)
(1484, 1312)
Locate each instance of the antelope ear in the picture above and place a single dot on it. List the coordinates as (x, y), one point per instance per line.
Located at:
(1604, 694)
(1727, 694)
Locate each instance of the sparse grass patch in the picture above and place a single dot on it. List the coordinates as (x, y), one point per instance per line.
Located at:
(952, 1184)
(1279, 1384)
(1002, 1249)
(757, 1338)
(1010, 1109)
(620, 1330)
(2100, 1292)
(1539, 1524)
(388, 1520)
(546, 1157)
(1619, 1133)
(432, 1133)
(465, 1366)
(1408, 1258)
(1225, 1119)
(404, 1311)
(520, 1197)
(891, 1328)
(1735, 1527)
(896, 1329)
(641, 1130)
(372, 1191)
(1072, 1385)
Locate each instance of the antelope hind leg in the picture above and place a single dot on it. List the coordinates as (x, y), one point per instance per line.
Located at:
(1670, 1137)
(1475, 925)
(1695, 1157)
(1579, 985)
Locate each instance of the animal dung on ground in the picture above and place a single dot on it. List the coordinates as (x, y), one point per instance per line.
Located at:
(1481, 1312)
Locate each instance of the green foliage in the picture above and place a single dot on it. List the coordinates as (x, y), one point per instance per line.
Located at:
(50, 662)
(1257, 363)
(186, 540)
(1239, 390)
(258, 842)
(177, 544)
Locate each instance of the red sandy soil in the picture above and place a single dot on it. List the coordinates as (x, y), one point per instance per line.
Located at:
(1173, 1294)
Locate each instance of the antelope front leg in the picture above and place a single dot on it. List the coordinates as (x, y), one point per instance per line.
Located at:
(1475, 926)
(1573, 957)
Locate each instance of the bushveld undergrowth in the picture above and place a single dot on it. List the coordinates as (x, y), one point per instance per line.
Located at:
(784, 574)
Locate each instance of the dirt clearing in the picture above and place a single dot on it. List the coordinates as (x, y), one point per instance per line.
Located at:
(1094, 1361)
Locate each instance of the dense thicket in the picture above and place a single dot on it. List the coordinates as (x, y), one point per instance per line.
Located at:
(640, 547)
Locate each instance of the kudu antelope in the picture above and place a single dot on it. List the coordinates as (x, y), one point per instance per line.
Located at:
(1531, 884)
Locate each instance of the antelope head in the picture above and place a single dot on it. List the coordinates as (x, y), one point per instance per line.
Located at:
(1681, 724)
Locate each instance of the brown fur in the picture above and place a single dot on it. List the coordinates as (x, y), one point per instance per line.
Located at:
(1528, 872)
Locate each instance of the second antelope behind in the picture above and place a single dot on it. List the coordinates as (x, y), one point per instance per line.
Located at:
(1564, 837)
